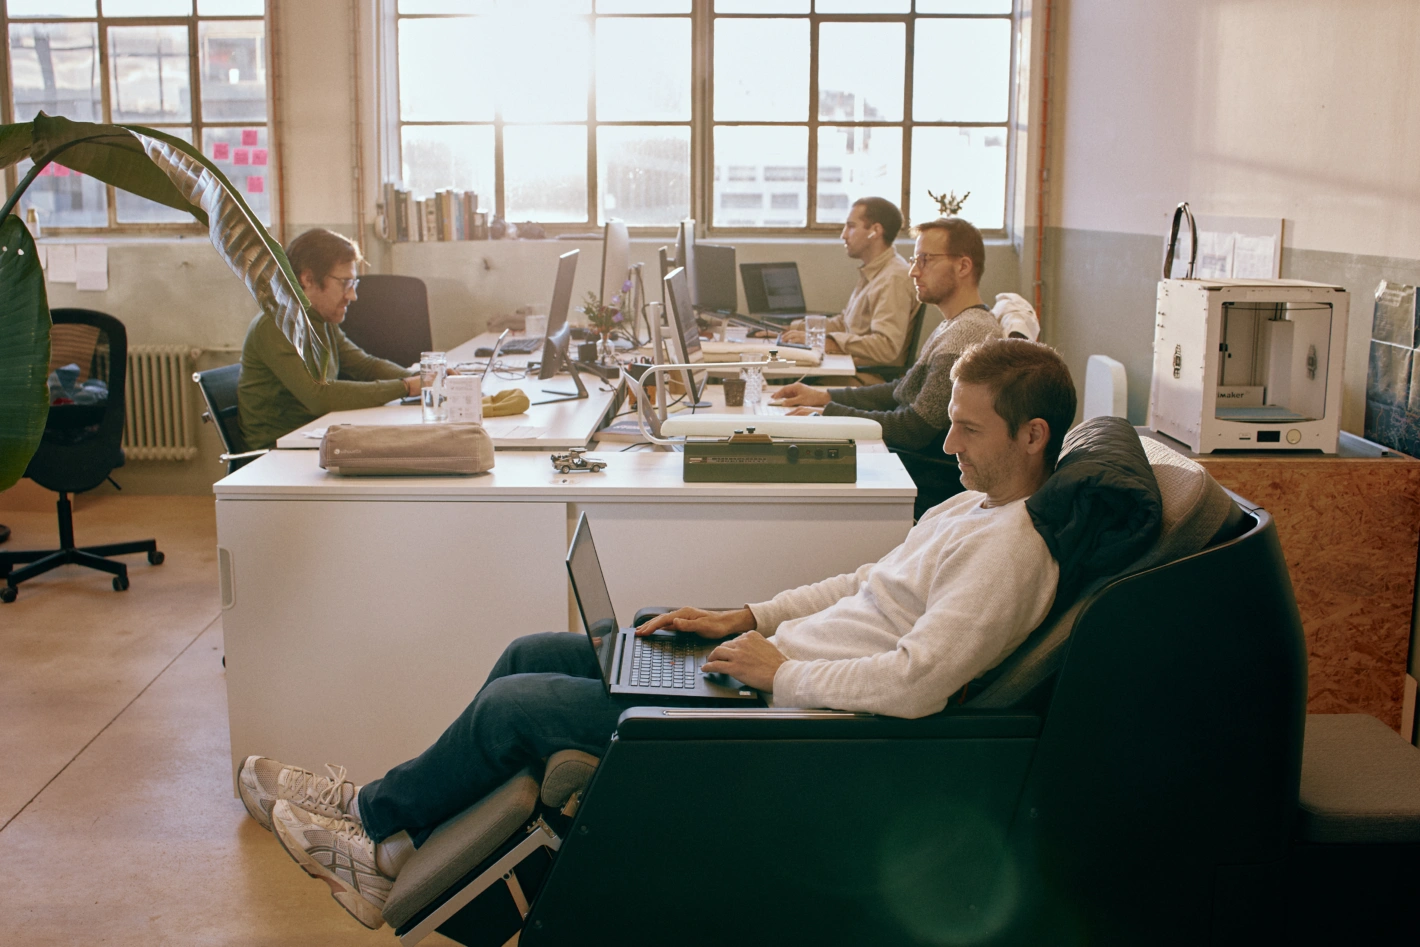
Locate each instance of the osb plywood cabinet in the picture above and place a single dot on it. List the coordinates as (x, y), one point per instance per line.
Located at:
(1349, 524)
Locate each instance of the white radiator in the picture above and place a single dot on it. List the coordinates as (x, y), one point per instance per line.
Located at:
(158, 422)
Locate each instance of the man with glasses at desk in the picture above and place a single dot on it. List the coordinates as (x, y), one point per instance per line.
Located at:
(946, 270)
(276, 393)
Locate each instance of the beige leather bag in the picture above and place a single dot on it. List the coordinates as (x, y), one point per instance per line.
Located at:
(403, 450)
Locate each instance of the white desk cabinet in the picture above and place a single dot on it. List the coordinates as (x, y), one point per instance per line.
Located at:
(362, 614)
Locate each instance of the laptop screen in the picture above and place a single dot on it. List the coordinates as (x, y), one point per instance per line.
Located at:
(593, 600)
(772, 287)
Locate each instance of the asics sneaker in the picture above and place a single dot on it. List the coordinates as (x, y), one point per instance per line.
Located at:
(263, 781)
(338, 852)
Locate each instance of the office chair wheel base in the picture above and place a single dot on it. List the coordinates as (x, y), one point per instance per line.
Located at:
(155, 558)
(120, 583)
(8, 594)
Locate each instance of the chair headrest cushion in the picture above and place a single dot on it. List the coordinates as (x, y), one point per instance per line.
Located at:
(1101, 508)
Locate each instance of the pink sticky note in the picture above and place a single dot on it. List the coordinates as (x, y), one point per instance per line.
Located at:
(258, 156)
(248, 136)
(60, 171)
(221, 151)
(256, 184)
(241, 156)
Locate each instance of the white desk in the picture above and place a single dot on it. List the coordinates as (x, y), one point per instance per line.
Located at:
(362, 614)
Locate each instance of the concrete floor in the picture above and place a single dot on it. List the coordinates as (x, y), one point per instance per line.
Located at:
(117, 821)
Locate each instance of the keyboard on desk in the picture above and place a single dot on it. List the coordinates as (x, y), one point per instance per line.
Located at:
(523, 345)
(767, 409)
(665, 664)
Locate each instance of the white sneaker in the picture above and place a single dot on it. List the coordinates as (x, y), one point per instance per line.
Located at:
(263, 781)
(338, 852)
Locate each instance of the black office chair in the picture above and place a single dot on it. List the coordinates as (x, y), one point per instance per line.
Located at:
(219, 392)
(909, 350)
(82, 444)
(390, 318)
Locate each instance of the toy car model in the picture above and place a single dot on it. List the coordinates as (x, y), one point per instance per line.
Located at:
(575, 461)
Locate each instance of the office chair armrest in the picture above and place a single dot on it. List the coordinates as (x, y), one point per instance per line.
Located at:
(785, 723)
(245, 455)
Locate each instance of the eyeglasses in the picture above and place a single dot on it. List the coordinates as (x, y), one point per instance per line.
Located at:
(346, 284)
(923, 259)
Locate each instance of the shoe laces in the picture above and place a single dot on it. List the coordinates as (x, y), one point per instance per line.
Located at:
(320, 791)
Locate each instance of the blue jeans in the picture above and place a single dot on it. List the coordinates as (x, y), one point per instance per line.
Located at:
(545, 694)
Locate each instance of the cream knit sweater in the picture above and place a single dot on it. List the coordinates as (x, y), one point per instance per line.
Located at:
(901, 635)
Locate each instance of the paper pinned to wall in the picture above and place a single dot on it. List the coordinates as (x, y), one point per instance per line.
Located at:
(1255, 257)
(91, 267)
(1232, 248)
(61, 263)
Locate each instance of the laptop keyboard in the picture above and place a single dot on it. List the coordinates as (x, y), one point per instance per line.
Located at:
(525, 345)
(665, 664)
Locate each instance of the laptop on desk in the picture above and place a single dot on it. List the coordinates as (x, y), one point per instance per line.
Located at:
(655, 666)
(773, 291)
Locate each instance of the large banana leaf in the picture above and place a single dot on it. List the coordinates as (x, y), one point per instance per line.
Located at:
(151, 164)
(24, 350)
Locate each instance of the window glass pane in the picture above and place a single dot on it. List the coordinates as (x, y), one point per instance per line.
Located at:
(761, 176)
(969, 77)
(545, 172)
(532, 88)
(861, 67)
(537, 7)
(443, 73)
(960, 160)
(761, 70)
(52, 8)
(761, 6)
(447, 6)
(644, 174)
(233, 65)
(64, 198)
(150, 78)
(854, 163)
(147, 8)
(241, 154)
(132, 209)
(643, 6)
(55, 67)
(863, 6)
(643, 69)
(963, 6)
(457, 156)
(231, 7)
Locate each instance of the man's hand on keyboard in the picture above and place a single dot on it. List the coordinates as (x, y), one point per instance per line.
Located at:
(800, 395)
(704, 623)
(750, 658)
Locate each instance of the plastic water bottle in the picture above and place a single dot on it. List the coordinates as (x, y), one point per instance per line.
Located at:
(754, 385)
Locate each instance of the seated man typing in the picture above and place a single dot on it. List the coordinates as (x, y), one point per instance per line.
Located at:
(898, 637)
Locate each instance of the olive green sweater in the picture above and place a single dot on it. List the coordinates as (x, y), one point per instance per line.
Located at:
(277, 394)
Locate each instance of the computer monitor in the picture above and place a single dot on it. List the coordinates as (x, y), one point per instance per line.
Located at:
(716, 275)
(685, 258)
(616, 260)
(557, 312)
(685, 340)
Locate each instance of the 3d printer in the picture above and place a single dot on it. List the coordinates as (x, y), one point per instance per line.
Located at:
(1248, 364)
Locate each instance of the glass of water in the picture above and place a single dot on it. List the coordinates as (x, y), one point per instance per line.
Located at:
(816, 332)
(433, 368)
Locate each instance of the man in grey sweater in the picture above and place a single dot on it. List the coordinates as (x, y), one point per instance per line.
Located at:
(946, 271)
(899, 636)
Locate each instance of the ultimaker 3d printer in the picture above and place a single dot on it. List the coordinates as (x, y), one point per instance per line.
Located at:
(1248, 364)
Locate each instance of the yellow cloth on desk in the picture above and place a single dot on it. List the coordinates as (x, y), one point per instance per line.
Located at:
(505, 402)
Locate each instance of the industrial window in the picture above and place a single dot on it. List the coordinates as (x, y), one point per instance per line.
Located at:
(200, 74)
(568, 112)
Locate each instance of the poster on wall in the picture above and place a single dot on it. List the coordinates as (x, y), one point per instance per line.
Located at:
(1392, 378)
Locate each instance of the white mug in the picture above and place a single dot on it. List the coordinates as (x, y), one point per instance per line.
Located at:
(535, 326)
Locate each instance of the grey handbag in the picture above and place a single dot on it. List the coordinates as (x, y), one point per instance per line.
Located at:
(404, 450)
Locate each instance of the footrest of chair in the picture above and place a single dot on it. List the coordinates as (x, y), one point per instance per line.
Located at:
(1360, 783)
(459, 845)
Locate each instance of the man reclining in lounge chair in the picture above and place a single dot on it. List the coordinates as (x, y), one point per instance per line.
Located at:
(899, 637)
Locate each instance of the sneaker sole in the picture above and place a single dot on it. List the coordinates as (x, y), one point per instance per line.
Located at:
(360, 909)
(262, 818)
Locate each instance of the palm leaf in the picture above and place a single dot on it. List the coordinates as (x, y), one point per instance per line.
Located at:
(24, 350)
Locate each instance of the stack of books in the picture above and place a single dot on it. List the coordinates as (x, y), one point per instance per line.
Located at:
(449, 215)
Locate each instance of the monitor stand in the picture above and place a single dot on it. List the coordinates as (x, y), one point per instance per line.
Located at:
(570, 367)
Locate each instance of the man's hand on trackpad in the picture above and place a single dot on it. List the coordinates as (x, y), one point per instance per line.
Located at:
(704, 623)
(750, 658)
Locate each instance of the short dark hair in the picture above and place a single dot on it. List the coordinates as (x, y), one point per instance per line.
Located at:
(319, 251)
(1027, 380)
(963, 239)
(880, 210)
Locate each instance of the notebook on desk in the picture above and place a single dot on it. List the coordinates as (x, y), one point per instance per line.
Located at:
(661, 666)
